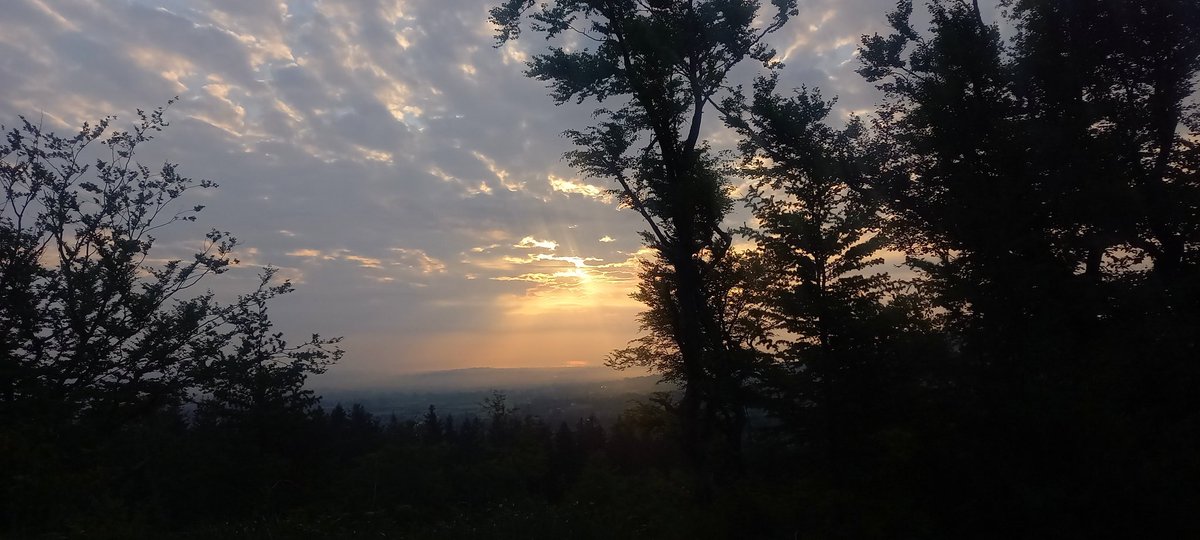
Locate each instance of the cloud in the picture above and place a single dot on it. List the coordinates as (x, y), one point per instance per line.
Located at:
(531, 242)
(563, 185)
(364, 262)
(384, 153)
(418, 260)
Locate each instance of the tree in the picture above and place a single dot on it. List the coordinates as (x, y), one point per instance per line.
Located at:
(821, 241)
(1110, 82)
(1074, 135)
(852, 351)
(93, 335)
(260, 381)
(1046, 192)
(501, 426)
(735, 288)
(665, 61)
(431, 426)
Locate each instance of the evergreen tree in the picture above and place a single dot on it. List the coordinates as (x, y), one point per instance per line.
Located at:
(449, 431)
(431, 427)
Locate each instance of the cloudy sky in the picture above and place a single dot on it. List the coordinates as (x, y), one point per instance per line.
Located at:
(395, 166)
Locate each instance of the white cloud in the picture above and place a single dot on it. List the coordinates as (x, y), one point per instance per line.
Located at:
(574, 186)
(531, 242)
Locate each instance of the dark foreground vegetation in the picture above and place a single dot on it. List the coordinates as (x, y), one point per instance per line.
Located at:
(1032, 374)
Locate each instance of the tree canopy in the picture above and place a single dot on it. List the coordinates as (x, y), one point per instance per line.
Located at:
(90, 330)
(662, 64)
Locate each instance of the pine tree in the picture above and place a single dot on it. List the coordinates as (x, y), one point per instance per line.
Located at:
(431, 427)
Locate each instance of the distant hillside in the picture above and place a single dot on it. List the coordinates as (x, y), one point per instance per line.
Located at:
(481, 378)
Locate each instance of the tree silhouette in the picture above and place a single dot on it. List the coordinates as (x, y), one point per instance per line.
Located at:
(87, 328)
(431, 426)
(820, 241)
(1044, 190)
(663, 62)
(98, 345)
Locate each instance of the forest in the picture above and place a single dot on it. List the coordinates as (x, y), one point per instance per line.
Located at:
(1024, 365)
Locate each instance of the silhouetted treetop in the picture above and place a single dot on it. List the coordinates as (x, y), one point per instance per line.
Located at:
(88, 327)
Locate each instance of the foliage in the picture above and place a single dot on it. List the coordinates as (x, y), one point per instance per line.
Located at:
(89, 328)
(96, 342)
(1033, 377)
(1042, 189)
(664, 61)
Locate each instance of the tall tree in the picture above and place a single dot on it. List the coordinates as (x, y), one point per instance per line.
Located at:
(821, 242)
(664, 61)
(1045, 190)
(736, 288)
(1110, 82)
(1075, 134)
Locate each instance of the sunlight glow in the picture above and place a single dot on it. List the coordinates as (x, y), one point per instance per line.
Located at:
(574, 186)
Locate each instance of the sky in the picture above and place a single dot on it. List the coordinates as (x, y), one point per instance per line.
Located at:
(394, 165)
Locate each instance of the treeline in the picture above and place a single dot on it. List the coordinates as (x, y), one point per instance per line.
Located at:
(1024, 366)
(1028, 367)
(345, 473)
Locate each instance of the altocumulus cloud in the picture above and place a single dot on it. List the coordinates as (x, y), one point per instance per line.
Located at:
(385, 155)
